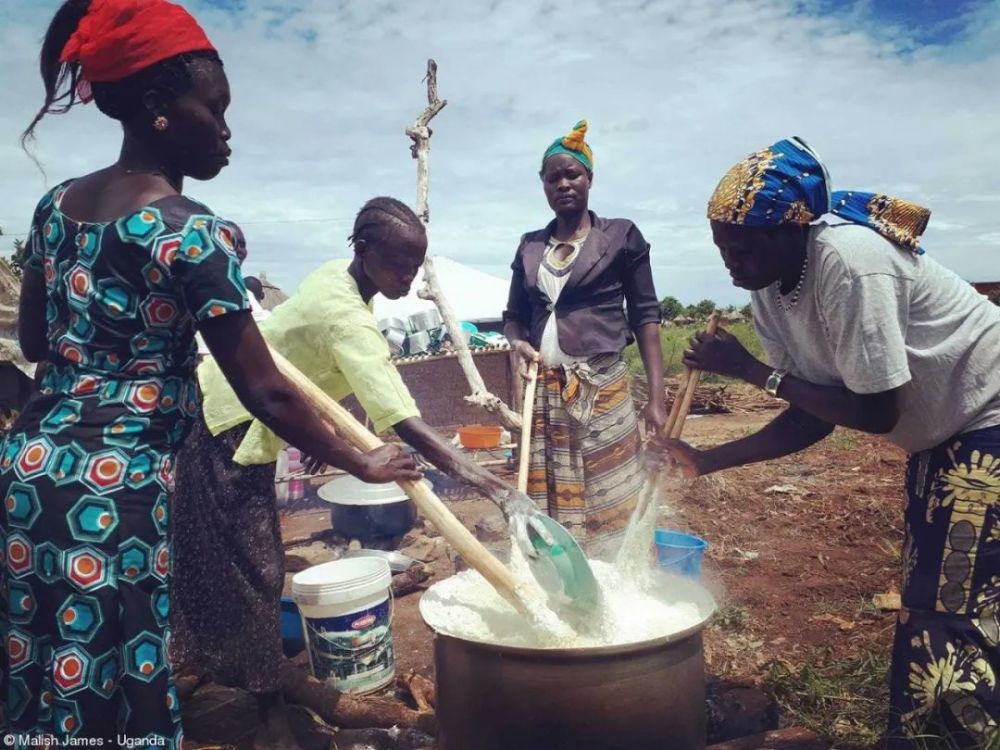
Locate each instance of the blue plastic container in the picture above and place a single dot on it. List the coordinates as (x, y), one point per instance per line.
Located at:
(678, 552)
(292, 641)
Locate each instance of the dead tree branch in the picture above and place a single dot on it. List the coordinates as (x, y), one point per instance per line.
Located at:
(420, 134)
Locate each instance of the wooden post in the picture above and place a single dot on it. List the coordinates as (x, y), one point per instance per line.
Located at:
(673, 429)
(420, 134)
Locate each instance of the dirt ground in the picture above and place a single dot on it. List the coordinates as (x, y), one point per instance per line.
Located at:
(795, 540)
(799, 548)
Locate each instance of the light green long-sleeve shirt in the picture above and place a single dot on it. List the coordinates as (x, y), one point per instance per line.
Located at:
(329, 333)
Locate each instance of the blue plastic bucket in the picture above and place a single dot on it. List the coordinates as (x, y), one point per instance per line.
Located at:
(679, 552)
(292, 640)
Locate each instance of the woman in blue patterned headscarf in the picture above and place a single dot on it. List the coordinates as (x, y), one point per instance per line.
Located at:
(862, 330)
(788, 184)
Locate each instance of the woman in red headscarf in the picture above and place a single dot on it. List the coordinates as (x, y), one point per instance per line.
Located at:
(123, 270)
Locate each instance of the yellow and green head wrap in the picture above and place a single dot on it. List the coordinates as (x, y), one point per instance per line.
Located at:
(572, 144)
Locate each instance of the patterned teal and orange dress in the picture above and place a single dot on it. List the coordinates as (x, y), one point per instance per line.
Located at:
(86, 471)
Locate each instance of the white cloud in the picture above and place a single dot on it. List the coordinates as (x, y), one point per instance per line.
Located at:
(675, 93)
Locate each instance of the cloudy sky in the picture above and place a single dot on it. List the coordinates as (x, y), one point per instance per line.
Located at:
(899, 96)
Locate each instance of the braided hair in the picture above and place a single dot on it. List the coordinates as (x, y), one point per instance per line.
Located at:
(121, 100)
(380, 217)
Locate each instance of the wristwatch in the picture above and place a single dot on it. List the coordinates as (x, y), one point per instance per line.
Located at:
(774, 382)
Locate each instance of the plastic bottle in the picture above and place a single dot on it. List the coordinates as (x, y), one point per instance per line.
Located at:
(297, 486)
(280, 479)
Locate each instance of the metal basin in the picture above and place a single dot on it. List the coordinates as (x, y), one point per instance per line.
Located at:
(367, 511)
(425, 320)
(639, 696)
(397, 341)
(418, 343)
(392, 324)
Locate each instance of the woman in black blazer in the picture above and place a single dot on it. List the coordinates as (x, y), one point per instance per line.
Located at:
(582, 290)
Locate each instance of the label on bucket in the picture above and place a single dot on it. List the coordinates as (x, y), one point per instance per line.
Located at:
(353, 652)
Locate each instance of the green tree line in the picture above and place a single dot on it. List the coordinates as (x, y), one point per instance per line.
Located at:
(671, 307)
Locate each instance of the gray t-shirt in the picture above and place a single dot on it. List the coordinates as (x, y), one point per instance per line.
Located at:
(873, 317)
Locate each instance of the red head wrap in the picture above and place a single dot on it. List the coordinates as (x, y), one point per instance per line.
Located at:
(117, 38)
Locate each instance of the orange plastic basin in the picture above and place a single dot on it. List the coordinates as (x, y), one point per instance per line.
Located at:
(480, 436)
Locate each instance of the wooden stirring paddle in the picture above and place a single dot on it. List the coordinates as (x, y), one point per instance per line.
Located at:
(459, 537)
(674, 427)
(527, 408)
(685, 395)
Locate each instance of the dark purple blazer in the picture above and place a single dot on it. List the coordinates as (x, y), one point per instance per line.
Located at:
(611, 274)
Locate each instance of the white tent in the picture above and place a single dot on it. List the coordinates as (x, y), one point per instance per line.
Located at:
(474, 296)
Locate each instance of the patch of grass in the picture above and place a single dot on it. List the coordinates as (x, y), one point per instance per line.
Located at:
(732, 617)
(674, 340)
(892, 549)
(843, 440)
(943, 741)
(867, 608)
(845, 701)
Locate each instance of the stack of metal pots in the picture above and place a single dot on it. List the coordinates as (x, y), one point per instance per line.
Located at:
(420, 333)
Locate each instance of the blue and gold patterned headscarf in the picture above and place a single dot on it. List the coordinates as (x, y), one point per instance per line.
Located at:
(787, 183)
(572, 144)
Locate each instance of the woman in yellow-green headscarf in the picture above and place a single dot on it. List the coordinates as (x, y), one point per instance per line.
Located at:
(582, 290)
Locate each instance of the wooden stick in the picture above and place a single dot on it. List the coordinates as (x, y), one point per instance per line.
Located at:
(675, 407)
(526, 409)
(690, 385)
(675, 423)
(429, 504)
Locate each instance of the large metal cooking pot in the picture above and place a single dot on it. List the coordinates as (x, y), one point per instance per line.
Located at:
(640, 696)
(367, 511)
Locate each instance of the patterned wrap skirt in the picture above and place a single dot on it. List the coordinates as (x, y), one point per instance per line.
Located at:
(86, 580)
(946, 656)
(229, 564)
(585, 469)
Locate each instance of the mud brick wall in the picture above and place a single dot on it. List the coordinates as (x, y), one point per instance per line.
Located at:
(439, 388)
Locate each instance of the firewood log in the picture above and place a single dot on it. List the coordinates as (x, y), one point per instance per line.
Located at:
(350, 711)
(793, 738)
(412, 579)
(421, 688)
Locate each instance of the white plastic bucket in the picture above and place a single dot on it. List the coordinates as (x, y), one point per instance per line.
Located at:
(346, 613)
